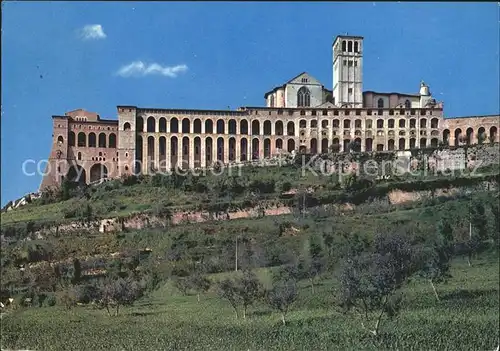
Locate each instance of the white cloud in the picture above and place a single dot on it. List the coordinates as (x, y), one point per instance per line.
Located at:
(92, 31)
(140, 69)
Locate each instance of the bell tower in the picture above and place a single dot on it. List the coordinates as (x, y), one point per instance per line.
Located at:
(348, 71)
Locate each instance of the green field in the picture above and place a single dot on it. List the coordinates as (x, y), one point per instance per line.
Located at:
(467, 318)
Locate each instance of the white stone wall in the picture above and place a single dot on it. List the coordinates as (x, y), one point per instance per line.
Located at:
(291, 94)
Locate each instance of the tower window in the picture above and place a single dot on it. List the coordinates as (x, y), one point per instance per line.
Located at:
(355, 63)
(345, 62)
(356, 48)
(349, 46)
(380, 103)
(350, 63)
(304, 80)
(303, 97)
(343, 45)
(349, 91)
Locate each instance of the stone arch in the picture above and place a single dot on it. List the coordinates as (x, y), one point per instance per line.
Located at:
(60, 139)
(324, 146)
(71, 139)
(434, 142)
(208, 151)
(446, 136)
(151, 152)
(290, 145)
(185, 152)
(174, 125)
(197, 149)
(481, 135)
(112, 140)
(243, 149)
(163, 153)
(255, 147)
(267, 145)
(313, 146)
(92, 140)
(126, 126)
(186, 126)
(209, 126)
(279, 144)
(423, 122)
(162, 124)
(434, 123)
(278, 128)
(151, 127)
(290, 129)
(493, 134)
(174, 152)
(369, 144)
(232, 127)
(81, 139)
(232, 146)
(255, 129)
(413, 143)
(220, 127)
(458, 136)
(97, 172)
(76, 173)
(139, 124)
(197, 126)
(138, 154)
(267, 127)
(102, 140)
(469, 134)
(390, 144)
(220, 149)
(402, 144)
(244, 127)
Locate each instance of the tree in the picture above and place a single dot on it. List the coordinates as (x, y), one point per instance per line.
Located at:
(312, 261)
(370, 282)
(227, 290)
(119, 292)
(77, 272)
(248, 289)
(436, 257)
(282, 296)
(199, 283)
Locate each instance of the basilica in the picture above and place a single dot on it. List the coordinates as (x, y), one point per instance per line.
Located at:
(300, 115)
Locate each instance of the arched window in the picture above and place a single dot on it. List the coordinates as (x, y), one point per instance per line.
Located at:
(303, 97)
(380, 103)
(102, 140)
(349, 46)
(356, 47)
(79, 156)
(343, 45)
(271, 102)
(407, 104)
(126, 126)
(112, 140)
(92, 140)
(60, 139)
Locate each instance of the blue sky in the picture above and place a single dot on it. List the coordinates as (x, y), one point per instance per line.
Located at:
(227, 54)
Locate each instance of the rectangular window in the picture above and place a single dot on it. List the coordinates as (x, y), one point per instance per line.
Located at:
(355, 63)
(345, 62)
(349, 91)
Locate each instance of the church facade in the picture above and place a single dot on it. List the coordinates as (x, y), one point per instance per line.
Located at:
(299, 116)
